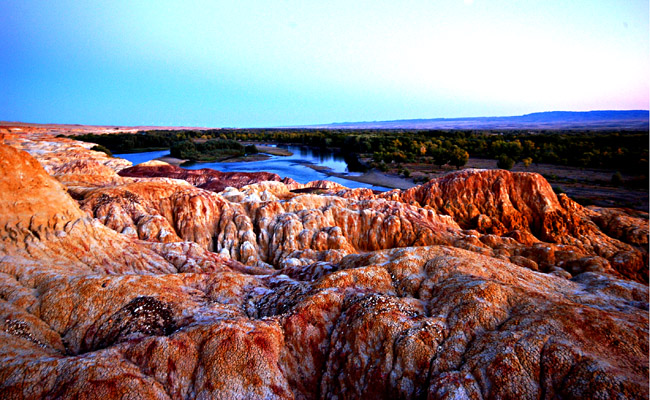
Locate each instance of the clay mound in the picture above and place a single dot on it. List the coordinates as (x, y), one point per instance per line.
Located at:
(270, 224)
(629, 226)
(523, 206)
(346, 296)
(494, 201)
(40, 221)
(28, 195)
(240, 225)
(205, 178)
(71, 162)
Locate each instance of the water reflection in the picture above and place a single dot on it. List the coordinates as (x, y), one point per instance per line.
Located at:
(139, 158)
(295, 166)
(316, 156)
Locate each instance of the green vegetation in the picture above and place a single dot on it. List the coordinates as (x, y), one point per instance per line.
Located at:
(458, 157)
(101, 148)
(505, 162)
(250, 149)
(210, 150)
(190, 145)
(619, 151)
(129, 142)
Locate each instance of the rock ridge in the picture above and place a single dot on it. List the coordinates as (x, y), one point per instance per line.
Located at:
(480, 284)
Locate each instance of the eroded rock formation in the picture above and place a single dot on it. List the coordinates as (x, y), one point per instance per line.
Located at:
(205, 178)
(480, 284)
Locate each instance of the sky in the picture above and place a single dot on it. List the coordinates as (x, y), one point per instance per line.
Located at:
(267, 63)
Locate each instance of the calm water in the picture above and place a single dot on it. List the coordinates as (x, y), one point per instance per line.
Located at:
(139, 158)
(294, 167)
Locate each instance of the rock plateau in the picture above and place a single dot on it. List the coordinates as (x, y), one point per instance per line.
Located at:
(152, 282)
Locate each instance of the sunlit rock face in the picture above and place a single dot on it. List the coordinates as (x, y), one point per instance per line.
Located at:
(482, 284)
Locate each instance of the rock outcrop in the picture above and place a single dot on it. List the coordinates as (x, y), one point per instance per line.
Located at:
(481, 284)
(205, 178)
(523, 206)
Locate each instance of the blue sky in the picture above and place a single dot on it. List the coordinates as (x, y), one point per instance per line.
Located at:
(279, 63)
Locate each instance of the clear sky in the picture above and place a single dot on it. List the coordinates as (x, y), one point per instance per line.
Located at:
(276, 63)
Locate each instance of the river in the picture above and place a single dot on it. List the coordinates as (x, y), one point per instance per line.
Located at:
(295, 166)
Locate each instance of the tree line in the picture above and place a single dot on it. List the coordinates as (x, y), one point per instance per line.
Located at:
(623, 151)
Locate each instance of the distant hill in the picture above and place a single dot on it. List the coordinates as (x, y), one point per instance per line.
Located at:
(592, 120)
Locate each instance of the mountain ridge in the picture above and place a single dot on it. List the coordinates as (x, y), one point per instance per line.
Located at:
(579, 120)
(597, 119)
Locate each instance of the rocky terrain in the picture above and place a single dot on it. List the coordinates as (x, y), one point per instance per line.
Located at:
(156, 282)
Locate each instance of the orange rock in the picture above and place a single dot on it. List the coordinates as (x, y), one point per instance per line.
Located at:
(203, 178)
(481, 284)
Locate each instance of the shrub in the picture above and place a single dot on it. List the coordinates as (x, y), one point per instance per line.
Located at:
(440, 157)
(617, 179)
(207, 151)
(184, 150)
(421, 179)
(101, 148)
(505, 162)
(458, 157)
(251, 149)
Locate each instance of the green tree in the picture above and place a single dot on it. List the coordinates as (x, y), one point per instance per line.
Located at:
(440, 157)
(514, 149)
(505, 162)
(458, 157)
(184, 150)
(529, 147)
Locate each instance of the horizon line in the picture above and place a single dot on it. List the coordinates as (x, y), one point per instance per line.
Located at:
(314, 125)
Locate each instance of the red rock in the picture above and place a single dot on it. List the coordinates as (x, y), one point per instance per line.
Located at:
(523, 204)
(205, 178)
(345, 294)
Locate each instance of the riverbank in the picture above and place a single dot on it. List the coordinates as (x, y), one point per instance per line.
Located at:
(265, 153)
(377, 178)
(274, 151)
(172, 160)
(372, 177)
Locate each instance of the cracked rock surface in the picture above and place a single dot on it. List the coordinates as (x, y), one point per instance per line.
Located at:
(481, 284)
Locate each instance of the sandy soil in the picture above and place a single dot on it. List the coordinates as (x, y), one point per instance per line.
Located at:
(276, 151)
(253, 157)
(378, 179)
(171, 160)
(372, 177)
